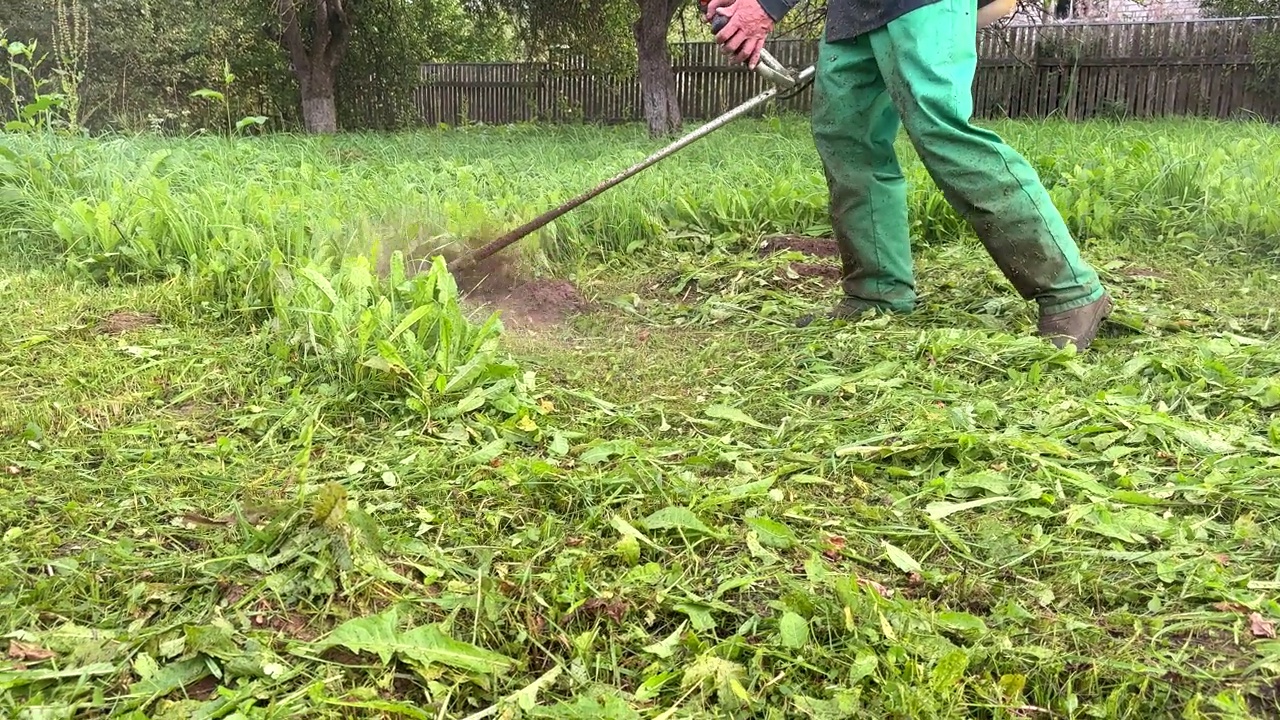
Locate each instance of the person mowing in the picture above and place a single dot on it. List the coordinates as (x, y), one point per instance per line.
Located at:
(885, 64)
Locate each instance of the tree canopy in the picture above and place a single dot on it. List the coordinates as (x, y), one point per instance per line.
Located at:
(143, 59)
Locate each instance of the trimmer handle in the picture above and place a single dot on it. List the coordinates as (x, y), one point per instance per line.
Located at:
(718, 23)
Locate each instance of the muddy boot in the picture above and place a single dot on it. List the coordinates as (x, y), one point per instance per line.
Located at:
(852, 309)
(1078, 326)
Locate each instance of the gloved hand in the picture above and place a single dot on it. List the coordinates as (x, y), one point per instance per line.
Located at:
(744, 35)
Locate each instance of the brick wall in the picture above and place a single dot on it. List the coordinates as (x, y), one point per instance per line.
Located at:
(1114, 11)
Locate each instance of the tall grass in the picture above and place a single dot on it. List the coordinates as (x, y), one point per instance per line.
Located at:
(1193, 180)
(303, 232)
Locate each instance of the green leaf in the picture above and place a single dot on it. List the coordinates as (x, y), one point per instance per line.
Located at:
(699, 616)
(1135, 498)
(961, 622)
(322, 282)
(10, 679)
(629, 548)
(1203, 442)
(626, 529)
(899, 557)
(425, 645)
(527, 697)
(595, 704)
(597, 454)
(724, 412)
(1266, 393)
(559, 444)
(772, 533)
(985, 480)
(251, 120)
(948, 673)
(488, 453)
(411, 319)
(213, 640)
(755, 488)
(44, 103)
(666, 647)
(171, 677)
(429, 644)
(825, 386)
(375, 633)
(388, 708)
(676, 518)
(207, 93)
(940, 510)
(864, 664)
(793, 630)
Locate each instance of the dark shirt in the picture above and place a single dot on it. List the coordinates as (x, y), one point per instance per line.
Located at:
(850, 18)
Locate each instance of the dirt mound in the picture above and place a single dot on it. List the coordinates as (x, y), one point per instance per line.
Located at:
(793, 274)
(817, 247)
(532, 304)
(125, 321)
(495, 284)
(808, 270)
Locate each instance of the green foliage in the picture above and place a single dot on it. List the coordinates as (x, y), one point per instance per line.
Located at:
(122, 81)
(33, 107)
(139, 62)
(597, 31)
(219, 500)
(401, 337)
(1242, 8)
(1264, 47)
(391, 38)
(222, 97)
(257, 253)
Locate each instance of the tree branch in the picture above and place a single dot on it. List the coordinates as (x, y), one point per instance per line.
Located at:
(321, 33)
(290, 37)
(339, 22)
(673, 6)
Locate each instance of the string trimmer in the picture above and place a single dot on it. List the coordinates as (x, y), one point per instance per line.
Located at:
(783, 81)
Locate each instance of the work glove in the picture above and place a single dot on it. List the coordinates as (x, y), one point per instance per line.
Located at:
(743, 36)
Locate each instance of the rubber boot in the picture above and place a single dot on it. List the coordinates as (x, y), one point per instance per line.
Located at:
(1078, 326)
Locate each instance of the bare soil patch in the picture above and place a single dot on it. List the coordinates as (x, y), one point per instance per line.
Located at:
(525, 303)
(124, 321)
(810, 270)
(794, 274)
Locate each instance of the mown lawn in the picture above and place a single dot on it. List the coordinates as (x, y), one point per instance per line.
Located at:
(675, 503)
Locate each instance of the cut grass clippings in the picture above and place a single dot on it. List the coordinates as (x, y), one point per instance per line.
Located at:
(690, 508)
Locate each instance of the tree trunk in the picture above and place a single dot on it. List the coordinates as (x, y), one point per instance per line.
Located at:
(315, 66)
(319, 111)
(658, 97)
(320, 114)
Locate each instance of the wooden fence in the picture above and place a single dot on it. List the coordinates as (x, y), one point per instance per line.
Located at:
(1137, 69)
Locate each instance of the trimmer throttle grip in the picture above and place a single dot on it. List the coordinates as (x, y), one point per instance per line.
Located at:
(718, 22)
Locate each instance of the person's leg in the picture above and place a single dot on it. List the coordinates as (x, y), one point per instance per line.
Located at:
(854, 126)
(928, 59)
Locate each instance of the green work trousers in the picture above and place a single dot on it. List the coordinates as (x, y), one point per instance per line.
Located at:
(917, 73)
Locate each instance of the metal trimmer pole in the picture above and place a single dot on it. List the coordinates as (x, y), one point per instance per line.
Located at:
(547, 217)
